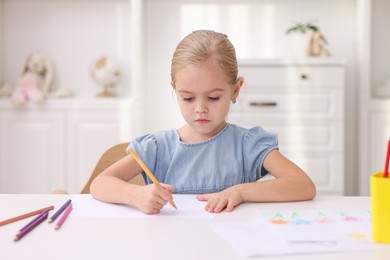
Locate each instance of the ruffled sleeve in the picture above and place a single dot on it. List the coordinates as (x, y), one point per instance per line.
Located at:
(257, 144)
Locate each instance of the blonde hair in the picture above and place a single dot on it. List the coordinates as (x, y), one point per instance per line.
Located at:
(202, 45)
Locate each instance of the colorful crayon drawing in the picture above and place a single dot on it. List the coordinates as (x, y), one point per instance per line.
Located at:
(322, 226)
(310, 217)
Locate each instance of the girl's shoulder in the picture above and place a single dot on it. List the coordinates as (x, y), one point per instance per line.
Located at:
(166, 138)
(153, 143)
(170, 134)
(253, 132)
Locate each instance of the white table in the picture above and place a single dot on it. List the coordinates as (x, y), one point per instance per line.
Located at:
(146, 238)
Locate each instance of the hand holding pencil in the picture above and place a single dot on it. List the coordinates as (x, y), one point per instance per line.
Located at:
(148, 172)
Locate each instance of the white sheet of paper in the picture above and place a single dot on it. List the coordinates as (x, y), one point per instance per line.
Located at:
(188, 207)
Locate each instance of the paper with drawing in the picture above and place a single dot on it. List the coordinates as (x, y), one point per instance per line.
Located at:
(293, 232)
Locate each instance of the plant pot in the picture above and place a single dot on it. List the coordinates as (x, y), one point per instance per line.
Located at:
(297, 44)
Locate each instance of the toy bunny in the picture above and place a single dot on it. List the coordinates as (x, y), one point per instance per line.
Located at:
(35, 80)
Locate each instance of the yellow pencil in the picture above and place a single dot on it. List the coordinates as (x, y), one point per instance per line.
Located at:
(148, 172)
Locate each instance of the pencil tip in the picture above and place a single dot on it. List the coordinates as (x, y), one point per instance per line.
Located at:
(16, 238)
(50, 221)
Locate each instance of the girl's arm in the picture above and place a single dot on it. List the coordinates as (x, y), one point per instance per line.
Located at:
(112, 186)
(291, 183)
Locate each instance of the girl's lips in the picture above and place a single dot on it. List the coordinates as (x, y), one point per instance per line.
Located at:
(202, 120)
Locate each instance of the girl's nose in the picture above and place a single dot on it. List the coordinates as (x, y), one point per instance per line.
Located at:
(201, 108)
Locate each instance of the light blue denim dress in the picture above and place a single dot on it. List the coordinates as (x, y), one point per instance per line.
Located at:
(235, 155)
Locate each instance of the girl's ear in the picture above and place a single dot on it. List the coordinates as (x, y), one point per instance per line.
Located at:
(237, 87)
(173, 85)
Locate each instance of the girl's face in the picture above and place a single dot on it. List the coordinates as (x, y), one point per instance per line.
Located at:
(204, 97)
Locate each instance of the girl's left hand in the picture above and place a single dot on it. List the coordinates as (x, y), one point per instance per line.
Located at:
(216, 202)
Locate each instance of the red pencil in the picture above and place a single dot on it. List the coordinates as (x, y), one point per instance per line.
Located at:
(386, 171)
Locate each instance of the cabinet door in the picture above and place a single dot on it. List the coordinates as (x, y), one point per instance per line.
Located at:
(379, 136)
(322, 167)
(312, 144)
(90, 135)
(31, 151)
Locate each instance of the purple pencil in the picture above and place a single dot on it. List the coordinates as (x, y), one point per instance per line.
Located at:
(35, 219)
(31, 227)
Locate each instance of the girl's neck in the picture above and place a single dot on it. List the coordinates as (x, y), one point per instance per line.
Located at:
(188, 134)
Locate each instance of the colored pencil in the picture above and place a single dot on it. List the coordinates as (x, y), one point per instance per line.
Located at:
(35, 219)
(26, 215)
(59, 211)
(64, 216)
(38, 221)
(386, 171)
(148, 172)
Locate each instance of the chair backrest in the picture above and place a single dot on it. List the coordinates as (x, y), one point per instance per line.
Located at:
(109, 157)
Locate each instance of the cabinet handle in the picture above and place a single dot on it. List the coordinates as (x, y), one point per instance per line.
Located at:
(304, 77)
(263, 104)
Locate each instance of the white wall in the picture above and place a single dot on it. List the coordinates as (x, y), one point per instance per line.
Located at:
(381, 36)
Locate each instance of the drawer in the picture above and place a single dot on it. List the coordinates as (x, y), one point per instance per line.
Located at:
(301, 135)
(323, 168)
(324, 104)
(292, 77)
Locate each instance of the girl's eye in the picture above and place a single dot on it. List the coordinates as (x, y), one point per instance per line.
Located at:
(188, 99)
(214, 98)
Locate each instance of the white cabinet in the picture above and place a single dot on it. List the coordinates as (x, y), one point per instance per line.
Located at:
(32, 157)
(375, 133)
(303, 103)
(56, 145)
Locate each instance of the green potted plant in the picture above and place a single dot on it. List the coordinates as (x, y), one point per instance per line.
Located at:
(299, 35)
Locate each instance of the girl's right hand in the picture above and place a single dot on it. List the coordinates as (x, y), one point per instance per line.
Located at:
(152, 198)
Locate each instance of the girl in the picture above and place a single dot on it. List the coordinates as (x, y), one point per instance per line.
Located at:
(207, 156)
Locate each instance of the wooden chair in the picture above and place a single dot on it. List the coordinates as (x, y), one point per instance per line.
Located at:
(109, 157)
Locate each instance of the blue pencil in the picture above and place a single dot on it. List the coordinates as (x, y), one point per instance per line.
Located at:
(59, 211)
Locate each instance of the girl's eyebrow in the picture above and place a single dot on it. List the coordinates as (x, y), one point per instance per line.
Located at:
(211, 91)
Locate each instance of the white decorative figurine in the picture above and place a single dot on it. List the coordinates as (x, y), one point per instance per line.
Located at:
(106, 73)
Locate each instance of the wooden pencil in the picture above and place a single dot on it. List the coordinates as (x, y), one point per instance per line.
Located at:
(59, 211)
(148, 172)
(26, 215)
(64, 216)
(35, 219)
(27, 230)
